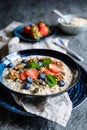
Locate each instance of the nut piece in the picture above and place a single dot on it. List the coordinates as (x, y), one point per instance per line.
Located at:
(59, 76)
(42, 69)
(33, 59)
(59, 64)
(13, 75)
(18, 66)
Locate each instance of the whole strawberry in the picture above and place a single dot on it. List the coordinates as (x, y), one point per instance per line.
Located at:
(34, 28)
(43, 29)
(27, 29)
(34, 32)
(35, 35)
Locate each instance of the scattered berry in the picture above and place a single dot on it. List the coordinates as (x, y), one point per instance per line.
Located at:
(10, 65)
(26, 86)
(29, 80)
(42, 76)
(24, 61)
(61, 83)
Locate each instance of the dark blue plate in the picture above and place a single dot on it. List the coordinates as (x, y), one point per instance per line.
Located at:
(19, 33)
(77, 95)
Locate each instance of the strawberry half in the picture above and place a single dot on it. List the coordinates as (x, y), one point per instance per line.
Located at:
(22, 76)
(54, 68)
(33, 73)
(48, 72)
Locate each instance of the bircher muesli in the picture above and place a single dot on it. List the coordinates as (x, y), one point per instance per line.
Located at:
(38, 75)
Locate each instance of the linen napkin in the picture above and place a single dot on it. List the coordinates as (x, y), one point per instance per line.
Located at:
(56, 109)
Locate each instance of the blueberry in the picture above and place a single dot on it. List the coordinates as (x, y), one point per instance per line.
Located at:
(29, 80)
(40, 63)
(10, 65)
(61, 83)
(26, 86)
(42, 76)
(26, 66)
(24, 61)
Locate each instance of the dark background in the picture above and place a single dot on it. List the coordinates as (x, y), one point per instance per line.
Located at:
(31, 11)
(34, 10)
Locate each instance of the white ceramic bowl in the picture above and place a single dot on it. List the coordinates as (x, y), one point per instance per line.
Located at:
(67, 28)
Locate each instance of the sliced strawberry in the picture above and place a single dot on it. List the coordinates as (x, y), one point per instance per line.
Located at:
(22, 76)
(54, 61)
(33, 73)
(48, 72)
(54, 68)
(27, 29)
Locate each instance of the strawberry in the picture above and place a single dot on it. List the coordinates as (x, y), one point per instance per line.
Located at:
(44, 31)
(33, 73)
(41, 25)
(34, 28)
(22, 76)
(35, 35)
(27, 29)
(54, 68)
(48, 72)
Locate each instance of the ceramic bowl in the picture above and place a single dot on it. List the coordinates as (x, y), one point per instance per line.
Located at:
(69, 29)
(45, 52)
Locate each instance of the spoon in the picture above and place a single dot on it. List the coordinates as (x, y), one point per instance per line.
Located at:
(61, 15)
(60, 43)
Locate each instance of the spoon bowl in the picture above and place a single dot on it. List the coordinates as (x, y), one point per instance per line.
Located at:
(61, 15)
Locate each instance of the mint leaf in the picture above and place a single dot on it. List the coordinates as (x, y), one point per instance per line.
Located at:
(51, 80)
(33, 65)
(46, 61)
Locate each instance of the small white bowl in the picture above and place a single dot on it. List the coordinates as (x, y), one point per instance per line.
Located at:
(68, 28)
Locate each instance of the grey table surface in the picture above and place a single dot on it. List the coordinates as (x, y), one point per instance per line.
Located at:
(32, 11)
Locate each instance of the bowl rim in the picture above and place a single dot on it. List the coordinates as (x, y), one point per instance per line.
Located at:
(41, 96)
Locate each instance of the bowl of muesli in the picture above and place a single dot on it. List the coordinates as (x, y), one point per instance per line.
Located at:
(38, 73)
(77, 24)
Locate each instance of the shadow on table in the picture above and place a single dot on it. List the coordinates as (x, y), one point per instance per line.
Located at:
(14, 121)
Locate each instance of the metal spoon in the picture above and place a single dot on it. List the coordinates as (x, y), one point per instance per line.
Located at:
(60, 43)
(61, 15)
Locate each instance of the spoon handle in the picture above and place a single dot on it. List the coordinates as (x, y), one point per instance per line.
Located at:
(74, 54)
(58, 13)
(60, 43)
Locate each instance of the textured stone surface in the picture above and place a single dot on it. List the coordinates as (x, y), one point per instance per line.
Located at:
(33, 11)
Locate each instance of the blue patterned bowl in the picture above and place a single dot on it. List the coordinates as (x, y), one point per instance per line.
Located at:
(45, 52)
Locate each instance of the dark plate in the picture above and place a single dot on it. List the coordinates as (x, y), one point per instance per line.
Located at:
(77, 95)
(66, 59)
(19, 33)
